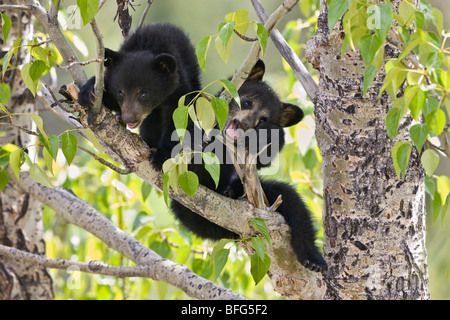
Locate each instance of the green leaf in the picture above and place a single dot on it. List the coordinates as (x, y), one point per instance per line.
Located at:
(369, 75)
(6, 26)
(392, 120)
(261, 226)
(37, 69)
(430, 161)
(201, 50)
(146, 188)
(224, 52)
(88, 9)
(48, 159)
(241, 18)
(212, 165)
(4, 179)
(419, 133)
(16, 159)
(161, 247)
(336, 10)
(165, 180)
(415, 40)
(93, 139)
(29, 82)
(231, 89)
(259, 267)
(69, 145)
(219, 246)
(435, 121)
(188, 182)
(417, 103)
(12, 51)
(443, 187)
(205, 114)
(395, 76)
(261, 34)
(368, 46)
(40, 125)
(386, 14)
(220, 259)
(5, 93)
(180, 120)
(259, 246)
(400, 156)
(38, 175)
(221, 109)
(407, 13)
(225, 33)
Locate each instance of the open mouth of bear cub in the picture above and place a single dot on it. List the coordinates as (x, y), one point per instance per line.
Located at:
(133, 125)
(233, 130)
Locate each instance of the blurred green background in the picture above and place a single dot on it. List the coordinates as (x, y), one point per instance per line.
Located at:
(149, 220)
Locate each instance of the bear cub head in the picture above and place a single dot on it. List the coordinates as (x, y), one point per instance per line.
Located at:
(139, 93)
(259, 123)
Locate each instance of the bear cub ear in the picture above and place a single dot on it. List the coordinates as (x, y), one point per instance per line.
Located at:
(290, 115)
(166, 62)
(112, 57)
(257, 72)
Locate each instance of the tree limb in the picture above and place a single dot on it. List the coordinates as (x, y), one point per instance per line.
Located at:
(289, 55)
(75, 211)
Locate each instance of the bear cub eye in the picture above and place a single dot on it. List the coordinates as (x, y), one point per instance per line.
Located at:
(262, 120)
(143, 95)
(120, 95)
(246, 104)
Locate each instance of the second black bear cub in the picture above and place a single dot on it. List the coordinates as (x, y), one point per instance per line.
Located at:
(261, 114)
(154, 67)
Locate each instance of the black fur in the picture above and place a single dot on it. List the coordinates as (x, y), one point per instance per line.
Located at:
(261, 109)
(154, 67)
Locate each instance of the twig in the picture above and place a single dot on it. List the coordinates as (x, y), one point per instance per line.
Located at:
(80, 63)
(95, 266)
(125, 171)
(241, 75)
(99, 72)
(249, 39)
(144, 14)
(16, 7)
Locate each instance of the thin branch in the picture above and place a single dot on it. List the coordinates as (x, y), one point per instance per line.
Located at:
(54, 9)
(16, 7)
(94, 266)
(241, 75)
(245, 38)
(144, 14)
(99, 72)
(125, 171)
(289, 55)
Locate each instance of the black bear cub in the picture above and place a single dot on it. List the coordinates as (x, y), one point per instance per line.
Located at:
(262, 111)
(154, 67)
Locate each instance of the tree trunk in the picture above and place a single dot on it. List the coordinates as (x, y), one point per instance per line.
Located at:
(374, 222)
(21, 224)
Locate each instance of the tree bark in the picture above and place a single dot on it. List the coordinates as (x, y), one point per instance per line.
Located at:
(21, 224)
(374, 222)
